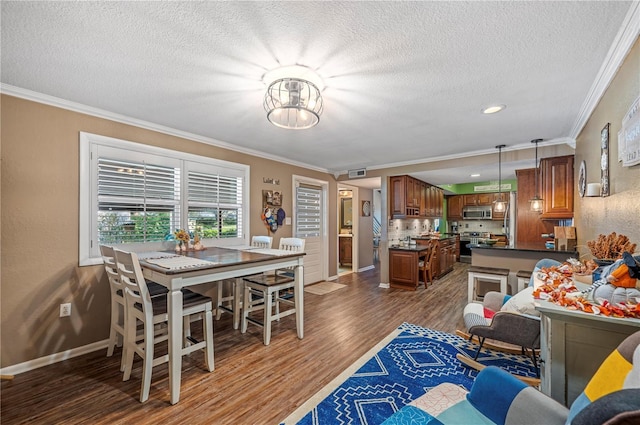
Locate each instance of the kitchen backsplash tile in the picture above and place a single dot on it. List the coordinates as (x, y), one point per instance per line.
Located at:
(402, 228)
(480, 226)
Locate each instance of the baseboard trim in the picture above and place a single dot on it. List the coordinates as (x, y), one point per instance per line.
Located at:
(384, 285)
(364, 269)
(54, 358)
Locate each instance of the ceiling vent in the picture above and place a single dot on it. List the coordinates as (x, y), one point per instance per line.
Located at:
(357, 173)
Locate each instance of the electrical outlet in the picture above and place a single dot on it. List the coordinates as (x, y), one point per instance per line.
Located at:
(65, 310)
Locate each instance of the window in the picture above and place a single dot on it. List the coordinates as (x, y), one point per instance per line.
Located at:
(308, 211)
(139, 195)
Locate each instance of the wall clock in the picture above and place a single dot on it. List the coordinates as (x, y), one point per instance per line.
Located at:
(582, 178)
(604, 161)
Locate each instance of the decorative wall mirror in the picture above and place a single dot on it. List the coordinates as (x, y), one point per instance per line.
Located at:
(346, 213)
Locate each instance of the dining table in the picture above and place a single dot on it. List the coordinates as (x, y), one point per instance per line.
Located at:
(192, 268)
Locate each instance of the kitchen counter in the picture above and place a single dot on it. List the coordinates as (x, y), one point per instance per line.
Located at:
(411, 248)
(525, 247)
(441, 237)
(522, 257)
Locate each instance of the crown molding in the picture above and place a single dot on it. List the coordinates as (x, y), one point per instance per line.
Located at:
(626, 37)
(100, 113)
(558, 141)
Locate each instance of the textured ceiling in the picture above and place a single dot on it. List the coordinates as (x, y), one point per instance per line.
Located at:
(405, 81)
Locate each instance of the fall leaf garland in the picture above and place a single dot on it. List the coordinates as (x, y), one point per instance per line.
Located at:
(559, 289)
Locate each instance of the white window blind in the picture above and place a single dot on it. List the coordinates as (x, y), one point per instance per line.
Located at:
(308, 213)
(137, 202)
(215, 205)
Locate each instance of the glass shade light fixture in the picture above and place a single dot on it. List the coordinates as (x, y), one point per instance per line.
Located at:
(493, 109)
(500, 205)
(536, 202)
(293, 98)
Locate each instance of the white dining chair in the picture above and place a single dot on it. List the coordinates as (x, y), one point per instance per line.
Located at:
(118, 306)
(117, 323)
(150, 312)
(224, 304)
(265, 292)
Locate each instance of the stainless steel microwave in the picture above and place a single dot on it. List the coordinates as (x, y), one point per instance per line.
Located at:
(477, 213)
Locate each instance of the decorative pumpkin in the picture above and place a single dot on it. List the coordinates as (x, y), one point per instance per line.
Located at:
(616, 294)
(620, 284)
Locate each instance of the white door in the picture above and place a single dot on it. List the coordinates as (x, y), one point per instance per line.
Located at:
(310, 219)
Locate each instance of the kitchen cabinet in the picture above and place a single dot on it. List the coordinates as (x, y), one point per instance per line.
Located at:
(529, 225)
(345, 249)
(474, 199)
(403, 262)
(411, 197)
(447, 257)
(469, 200)
(557, 187)
(454, 207)
(457, 248)
(403, 267)
(437, 201)
(397, 196)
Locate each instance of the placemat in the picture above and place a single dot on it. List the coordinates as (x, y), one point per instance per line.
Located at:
(179, 262)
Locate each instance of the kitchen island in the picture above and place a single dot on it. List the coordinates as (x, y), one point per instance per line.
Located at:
(521, 257)
(403, 260)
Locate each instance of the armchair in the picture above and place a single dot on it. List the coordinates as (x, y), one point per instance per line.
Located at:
(509, 320)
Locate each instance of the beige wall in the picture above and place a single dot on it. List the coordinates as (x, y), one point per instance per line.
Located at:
(40, 186)
(619, 212)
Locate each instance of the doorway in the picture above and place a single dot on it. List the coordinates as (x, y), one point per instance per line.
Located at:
(347, 229)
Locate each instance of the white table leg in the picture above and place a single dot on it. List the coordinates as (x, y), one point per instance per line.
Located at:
(266, 319)
(298, 294)
(238, 295)
(174, 309)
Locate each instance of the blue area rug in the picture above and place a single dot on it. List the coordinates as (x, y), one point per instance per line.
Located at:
(401, 368)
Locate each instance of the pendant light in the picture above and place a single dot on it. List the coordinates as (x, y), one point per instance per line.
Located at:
(536, 201)
(500, 205)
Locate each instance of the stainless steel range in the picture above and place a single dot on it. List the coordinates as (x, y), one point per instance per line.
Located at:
(467, 238)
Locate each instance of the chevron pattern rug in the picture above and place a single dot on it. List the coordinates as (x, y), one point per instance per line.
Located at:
(399, 369)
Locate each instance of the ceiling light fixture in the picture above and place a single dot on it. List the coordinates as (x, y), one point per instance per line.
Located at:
(493, 109)
(474, 175)
(536, 202)
(293, 98)
(500, 205)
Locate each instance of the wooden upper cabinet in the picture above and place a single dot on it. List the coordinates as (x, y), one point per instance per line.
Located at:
(468, 200)
(485, 198)
(557, 187)
(529, 225)
(477, 199)
(411, 197)
(454, 207)
(397, 196)
(439, 201)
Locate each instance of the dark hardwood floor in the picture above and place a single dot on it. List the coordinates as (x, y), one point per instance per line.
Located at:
(252, 383)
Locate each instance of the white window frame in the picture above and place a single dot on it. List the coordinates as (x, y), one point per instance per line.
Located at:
(89, 251)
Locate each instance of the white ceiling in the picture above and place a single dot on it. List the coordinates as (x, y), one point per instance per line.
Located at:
(405, 81)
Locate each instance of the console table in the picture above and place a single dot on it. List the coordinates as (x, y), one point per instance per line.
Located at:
(573, 345)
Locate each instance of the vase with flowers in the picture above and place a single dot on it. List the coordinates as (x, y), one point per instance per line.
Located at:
(183, 238)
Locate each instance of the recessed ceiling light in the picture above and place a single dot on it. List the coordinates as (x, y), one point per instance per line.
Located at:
(474, 175)
(493, 109)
